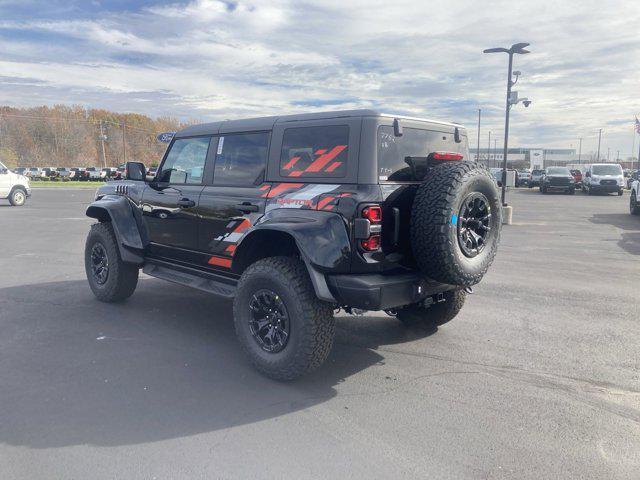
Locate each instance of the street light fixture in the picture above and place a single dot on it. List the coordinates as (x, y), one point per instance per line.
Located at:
(515, 49)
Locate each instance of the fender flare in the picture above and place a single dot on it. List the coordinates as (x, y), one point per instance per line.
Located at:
(122, 214)
(322, 239)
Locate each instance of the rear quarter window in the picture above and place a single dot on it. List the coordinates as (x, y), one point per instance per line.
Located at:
(315, 152)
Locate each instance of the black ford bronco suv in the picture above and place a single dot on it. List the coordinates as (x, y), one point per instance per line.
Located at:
(296, 216)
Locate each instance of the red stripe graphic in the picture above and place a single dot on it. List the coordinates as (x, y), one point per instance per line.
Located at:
(231, 249)
(321, 151)
(333, 166)
(220, 262)
(291, 163)
(324, 159)
(281, 187)
(242, 226)
(323, 203)
(295, 173)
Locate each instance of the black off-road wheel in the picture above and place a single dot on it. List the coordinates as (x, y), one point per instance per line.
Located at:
(284, 329)
(18, 197)
(436, 314)
(634, 208)
(110, 279)
(455, 223)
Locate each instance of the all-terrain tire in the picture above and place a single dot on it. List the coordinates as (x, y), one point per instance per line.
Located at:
(121, 279)
(311, 321)
(634, 209)
(435, 314)
(18, 197)
(436, 223)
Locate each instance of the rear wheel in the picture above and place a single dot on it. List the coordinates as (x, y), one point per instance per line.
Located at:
(455, 223)
(435, 314)
(18, 197)
(110, 279)
(620, 192)
(284, 329)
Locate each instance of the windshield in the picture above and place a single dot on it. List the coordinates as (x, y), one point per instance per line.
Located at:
(558, 171)
(606, 170)
(537, 172)
(405, 158)
(2, 165)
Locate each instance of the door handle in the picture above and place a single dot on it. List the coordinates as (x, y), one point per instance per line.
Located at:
(186, 203)
(247, 207)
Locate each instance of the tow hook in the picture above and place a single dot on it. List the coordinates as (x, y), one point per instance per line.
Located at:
(469, 290)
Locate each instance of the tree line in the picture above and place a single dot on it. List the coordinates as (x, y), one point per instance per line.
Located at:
(74, 136)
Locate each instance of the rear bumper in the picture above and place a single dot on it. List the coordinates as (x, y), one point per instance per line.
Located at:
(382, 292)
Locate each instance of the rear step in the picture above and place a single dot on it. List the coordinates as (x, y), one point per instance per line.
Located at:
(190, 278)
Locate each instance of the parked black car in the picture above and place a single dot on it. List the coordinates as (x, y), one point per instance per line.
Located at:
(557, 179)
(293, 217)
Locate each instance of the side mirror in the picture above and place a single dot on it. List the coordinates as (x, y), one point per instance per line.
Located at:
(588, 174)
(456, 135)
(135, 171)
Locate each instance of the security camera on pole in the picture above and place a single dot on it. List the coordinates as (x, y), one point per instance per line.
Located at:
(512, 99)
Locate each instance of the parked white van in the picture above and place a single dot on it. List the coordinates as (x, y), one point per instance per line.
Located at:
(13, 186)
(603, 177)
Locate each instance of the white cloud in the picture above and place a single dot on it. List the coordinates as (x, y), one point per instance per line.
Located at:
(210, 58)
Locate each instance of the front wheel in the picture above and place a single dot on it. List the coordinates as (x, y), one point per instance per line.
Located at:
(284, 329)
(18, 197)
(435, 314)
(620, 192)
(110, 279)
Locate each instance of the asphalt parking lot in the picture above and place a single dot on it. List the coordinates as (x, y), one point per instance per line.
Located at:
(538, 377)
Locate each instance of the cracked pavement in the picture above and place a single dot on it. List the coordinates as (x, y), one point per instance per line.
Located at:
(538, 377)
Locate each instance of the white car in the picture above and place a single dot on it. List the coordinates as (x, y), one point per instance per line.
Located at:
(634, 198)
(13, 186)
(603, 177)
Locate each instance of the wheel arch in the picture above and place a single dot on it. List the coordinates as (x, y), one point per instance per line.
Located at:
(118, 211)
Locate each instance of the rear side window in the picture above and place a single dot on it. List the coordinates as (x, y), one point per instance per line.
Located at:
(404, 158)
(241, 159)
(185, 161)
(317, 152)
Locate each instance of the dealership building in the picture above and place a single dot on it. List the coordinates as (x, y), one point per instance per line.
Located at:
(525, 157)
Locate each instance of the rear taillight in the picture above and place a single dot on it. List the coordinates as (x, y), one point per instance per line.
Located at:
(372, 215)
(446, 156)
(372, 243)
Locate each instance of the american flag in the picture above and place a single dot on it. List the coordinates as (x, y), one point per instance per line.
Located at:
(637, 125)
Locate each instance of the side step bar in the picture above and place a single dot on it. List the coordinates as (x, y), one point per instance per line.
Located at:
(190, 278)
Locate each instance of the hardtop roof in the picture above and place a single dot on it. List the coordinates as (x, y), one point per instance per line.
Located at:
(267, 123)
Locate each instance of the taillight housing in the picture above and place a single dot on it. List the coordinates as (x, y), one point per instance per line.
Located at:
(372, 218)
(373, 213)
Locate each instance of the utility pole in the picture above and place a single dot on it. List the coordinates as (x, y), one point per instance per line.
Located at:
(608, 154)
(124, 143)
(478, 151)
(599, 138)
(618, 156)
(580, 150)
(489, 150)
(495, 151)
(102, 139)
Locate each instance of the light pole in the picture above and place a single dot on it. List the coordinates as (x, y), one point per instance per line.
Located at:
(517, 48)
(489, 150)
(478, 150)
(580, 150)
(599, 138)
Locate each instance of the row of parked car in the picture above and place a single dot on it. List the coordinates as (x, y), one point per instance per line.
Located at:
(596, 178)
(85, 174)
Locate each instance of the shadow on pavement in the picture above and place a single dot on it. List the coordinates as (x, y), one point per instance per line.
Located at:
(164, 364)
(630, 239)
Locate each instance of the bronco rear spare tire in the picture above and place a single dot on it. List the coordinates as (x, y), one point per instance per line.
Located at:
(455, 223)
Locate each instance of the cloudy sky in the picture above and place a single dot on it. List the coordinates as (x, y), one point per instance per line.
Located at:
(213, 59)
